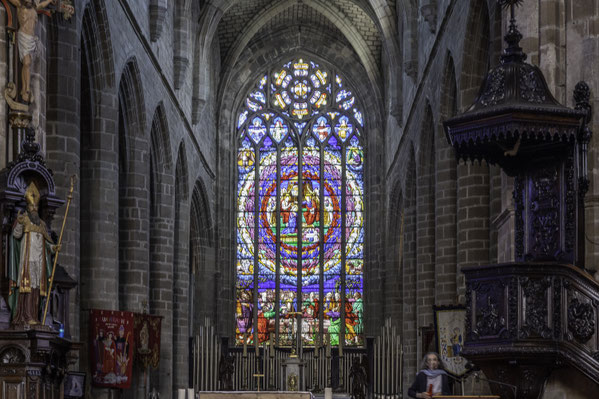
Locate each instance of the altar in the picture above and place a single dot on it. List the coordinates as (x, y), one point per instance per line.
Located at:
(254, 395)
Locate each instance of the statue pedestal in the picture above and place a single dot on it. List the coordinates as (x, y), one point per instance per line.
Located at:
(293, 374)
(32, 364)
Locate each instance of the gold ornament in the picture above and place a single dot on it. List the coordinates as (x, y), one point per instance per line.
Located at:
(32, 194)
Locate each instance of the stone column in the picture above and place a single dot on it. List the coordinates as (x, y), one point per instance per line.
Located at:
(472, 219)
(425, 232)
(161, 274)
(181, 291)
(410, 332)
(445, 224)
(134, 225)
(63, 144)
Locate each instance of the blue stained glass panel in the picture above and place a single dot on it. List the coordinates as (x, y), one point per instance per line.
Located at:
(278, 129)
(358, 116)
(321, 128)
(259, 96)
(242, 118)
(257, 129)
(344, 128)
(275, 203)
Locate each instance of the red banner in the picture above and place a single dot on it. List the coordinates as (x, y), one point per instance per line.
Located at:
(111, 348)
(147, 339)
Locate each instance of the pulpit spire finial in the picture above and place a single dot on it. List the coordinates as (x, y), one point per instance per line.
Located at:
(513, 52)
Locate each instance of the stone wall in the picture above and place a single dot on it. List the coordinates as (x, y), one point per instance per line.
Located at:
(139, 107)
(117, 114)
(473, 208)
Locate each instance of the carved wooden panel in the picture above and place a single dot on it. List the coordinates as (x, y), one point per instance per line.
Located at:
(546, 211)
(534, 312)
(12, 388)
(535, 307)
(489, 309)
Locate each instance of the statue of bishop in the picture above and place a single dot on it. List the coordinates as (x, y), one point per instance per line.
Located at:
(30, 264)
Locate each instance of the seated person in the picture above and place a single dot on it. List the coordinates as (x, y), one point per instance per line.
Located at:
(431, 380)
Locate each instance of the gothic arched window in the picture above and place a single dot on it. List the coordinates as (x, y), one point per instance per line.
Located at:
(300, 220)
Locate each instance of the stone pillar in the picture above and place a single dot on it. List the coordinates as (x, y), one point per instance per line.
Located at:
(134, 225)
(425, 233)
(161, 274)
(181, 292)
(98, 185)
(410, 329)
(472, 219)
(445, 224)
(63, 143)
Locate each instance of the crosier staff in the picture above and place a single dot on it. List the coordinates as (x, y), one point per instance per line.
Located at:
(64, 221)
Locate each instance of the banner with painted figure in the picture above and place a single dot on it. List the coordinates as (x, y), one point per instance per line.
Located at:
(147, 339)
(111, 348)
(450, 324)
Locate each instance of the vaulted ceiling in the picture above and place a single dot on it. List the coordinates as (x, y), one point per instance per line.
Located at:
(351, 22)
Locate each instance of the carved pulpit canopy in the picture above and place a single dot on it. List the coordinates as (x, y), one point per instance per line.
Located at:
(516, 123)
(513, 115)
(530, 316)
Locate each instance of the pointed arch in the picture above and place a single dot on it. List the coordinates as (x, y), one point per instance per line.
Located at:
(202, 258)
(202, 224)
(161, 208)
(475, 58)
(394, 275)
(96, 44)
(300, 205)
(181, 289)
(131, 107)
(134, 188)
(160, 141)
(162, 240)
(98, 115)
(181, 173)
(329, 11)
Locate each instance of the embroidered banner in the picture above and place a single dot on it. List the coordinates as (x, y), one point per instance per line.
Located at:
(147, 339)
(111, 348)
(450, 325)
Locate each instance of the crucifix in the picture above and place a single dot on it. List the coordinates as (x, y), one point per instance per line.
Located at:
(294, 347)
(257, 376)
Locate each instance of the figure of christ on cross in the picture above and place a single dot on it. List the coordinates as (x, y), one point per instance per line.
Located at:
(26, 39)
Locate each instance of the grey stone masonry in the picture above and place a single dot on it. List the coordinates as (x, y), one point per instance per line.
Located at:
(140, 100)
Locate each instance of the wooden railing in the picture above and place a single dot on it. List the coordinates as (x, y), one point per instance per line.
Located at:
(529, 318)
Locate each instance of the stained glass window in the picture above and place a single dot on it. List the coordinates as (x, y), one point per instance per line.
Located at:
(300, 210)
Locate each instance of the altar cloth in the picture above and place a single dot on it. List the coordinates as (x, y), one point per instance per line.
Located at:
(254, 395)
